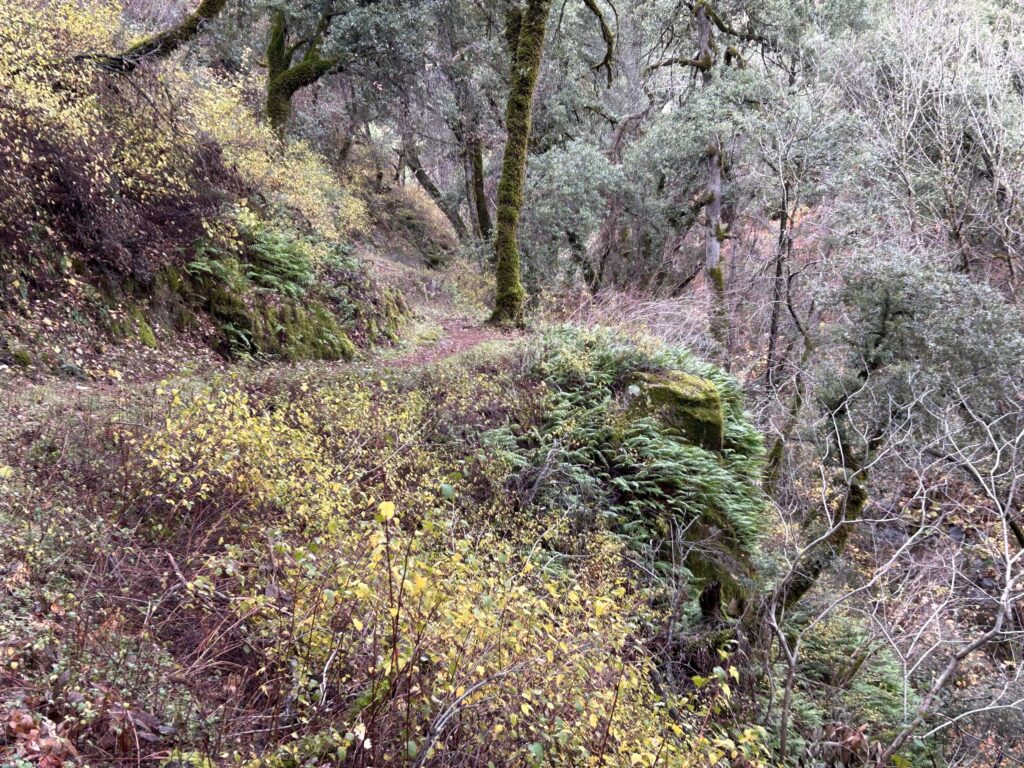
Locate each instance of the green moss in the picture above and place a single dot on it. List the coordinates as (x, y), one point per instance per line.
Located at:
(165, 43)
(21, 357)
(285, 77)
(392, 314)
(685, 404)
(142, 326)
(312, 333)
(650, 442)
(527, 54)
(173, 280)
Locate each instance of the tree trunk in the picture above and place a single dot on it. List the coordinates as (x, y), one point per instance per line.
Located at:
(714, 235)
(467, 181)
(526, 61)
(483, 214)
(856, 452)
(785, 244)
(714, 230)
(285, 78)
(163, 44)
(412, 159)
(830, 548)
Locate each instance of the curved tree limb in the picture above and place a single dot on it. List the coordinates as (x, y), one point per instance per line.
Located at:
(607, 35)
(163, 44)
(285, 75)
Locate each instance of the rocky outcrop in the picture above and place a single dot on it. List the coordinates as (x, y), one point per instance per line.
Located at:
(687, 405)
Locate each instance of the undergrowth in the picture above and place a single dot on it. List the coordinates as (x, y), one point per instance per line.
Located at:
(694, 511)
(162, 206)
(301, 571)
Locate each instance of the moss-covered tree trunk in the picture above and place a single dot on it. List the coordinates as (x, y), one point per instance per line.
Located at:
(285, 75)
(163, 44)
(525, 33)
(714, 235)
(714, 229)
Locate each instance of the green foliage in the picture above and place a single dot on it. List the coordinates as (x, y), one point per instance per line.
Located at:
(278, 260)
(279, 295)
(142, 326)
(570, 185)
(847, 675)
(336, 599)
(22, 357)
(913, 317)
(918, 340)
(636, 475)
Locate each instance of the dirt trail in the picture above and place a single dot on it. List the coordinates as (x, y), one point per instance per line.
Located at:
(460, 334)
(25, 403)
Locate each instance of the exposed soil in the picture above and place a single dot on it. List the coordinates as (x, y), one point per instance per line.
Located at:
(460, 335)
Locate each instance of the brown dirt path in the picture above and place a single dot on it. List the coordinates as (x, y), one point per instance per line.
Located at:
(460, 334)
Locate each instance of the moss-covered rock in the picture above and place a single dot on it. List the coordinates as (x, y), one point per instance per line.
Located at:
(387, 315)
(312, 333)
(171, 300)
(683, 403)
(142, 326)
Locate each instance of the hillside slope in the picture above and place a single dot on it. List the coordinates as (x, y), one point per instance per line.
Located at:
(423, 560)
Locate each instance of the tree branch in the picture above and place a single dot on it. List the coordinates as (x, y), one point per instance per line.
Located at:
(607, 35)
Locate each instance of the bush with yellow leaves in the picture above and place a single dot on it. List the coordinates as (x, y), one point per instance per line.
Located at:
(381, 617)
(89, 167)
(169, 179)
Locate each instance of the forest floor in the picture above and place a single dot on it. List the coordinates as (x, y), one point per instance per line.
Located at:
(438, 328)
(457, 336)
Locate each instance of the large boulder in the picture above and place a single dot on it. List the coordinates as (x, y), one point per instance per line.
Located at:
(687, 405)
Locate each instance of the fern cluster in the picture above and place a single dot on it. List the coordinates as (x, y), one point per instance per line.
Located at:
(588, 457)
(278, 260)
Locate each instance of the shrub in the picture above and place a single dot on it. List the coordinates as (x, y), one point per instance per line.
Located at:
(387, 627)
(86, 167)
(591, 455)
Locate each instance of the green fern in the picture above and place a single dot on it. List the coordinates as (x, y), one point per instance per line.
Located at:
(278, 260)
(633, 476)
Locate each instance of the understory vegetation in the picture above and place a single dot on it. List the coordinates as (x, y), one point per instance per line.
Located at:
(490, 384)
(294, 571)
(166, 208)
